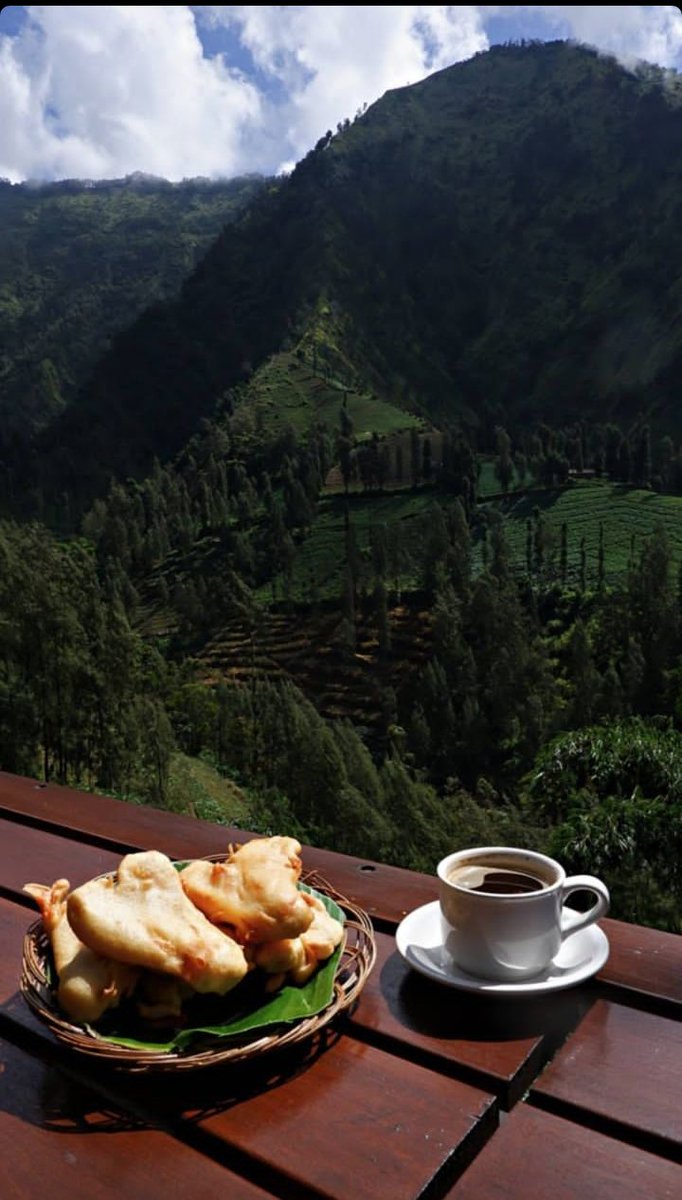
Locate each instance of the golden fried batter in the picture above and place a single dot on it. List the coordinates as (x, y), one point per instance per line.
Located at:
(298, 957)
(254, 890)
(88, 984)
(143, 917)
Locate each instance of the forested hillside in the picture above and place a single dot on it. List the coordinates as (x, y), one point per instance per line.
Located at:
(78, 262)
(496, 243)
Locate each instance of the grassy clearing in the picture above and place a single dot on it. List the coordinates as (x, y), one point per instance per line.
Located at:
(196, 789)
(488, 483)
(286, 391)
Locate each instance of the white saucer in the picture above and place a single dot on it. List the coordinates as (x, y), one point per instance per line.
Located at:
(419, 940)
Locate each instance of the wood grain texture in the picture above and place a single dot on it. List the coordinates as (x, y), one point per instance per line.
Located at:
(32, 855)
(322, 1117)
(538, 1156)
(621, 1065)
(361, 1123)
(502, 1044)
(645, 961)
(57, 1140)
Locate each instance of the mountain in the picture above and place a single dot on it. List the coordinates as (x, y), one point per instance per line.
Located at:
(79, 261)
(497, 243)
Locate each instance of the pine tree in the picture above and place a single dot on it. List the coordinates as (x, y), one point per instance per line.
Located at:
(504, 467)
(427, 463)
(563, 558)
(399, 468)
(381, 610)
(600, 559)
(415, 457)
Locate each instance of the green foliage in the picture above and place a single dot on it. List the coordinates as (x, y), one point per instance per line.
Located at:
(79, 261)
(446, 252)
(621, 758)
(80, 693)
(615, 794)
(440, 260)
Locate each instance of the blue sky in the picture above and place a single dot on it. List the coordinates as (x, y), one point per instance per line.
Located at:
(179, 90)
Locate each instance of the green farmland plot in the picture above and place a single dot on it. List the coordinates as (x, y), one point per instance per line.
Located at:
(628, 516)
(319, 564)
(488, 483)
(286, 391)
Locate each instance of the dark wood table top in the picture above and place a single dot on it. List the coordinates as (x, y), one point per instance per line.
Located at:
(420, 1091)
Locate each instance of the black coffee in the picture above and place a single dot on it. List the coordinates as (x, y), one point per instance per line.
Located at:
(496, 881)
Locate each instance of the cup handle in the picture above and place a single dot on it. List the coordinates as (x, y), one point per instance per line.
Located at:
(572, 921)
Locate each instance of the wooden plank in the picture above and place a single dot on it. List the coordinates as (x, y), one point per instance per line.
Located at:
(622, 1070)
(643, 960)
(350, 1112)
(56, 1141)
(386, 892)
(646, 961)
(500, 1045)
(358, 1122)
(535, 1155)
(125, 826)
(30, 855)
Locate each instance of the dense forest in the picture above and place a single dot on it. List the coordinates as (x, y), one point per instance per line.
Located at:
(393, 566)
(78, 262)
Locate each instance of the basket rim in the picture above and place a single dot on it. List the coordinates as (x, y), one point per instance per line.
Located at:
(357, 958)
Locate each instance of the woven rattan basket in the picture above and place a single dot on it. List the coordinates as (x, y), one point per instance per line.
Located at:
(355, 964)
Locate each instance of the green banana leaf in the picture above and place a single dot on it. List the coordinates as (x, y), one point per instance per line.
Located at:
(243, 1010)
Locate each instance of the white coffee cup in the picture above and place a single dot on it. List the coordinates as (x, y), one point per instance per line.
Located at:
(513, 925)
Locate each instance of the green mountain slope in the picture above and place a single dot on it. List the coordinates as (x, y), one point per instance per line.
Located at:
(497, 242)
(78, 262)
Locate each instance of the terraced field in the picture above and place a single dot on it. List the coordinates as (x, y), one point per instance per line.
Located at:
(305, 649)
(629, 516)
(318, 568)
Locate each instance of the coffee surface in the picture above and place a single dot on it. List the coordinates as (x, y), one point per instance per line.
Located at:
(496, 881)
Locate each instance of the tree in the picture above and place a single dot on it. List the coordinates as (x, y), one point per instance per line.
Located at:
(563, 554)
(504, 467)
(612, 794)
(344, 447)
(641, 464)
(399, 462)
(427, 465)
(381, 610)
(415, 457)
(582, 675)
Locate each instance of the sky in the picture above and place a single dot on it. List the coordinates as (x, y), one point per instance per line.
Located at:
(220, 90)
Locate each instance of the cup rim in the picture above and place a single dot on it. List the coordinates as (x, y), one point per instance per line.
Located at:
(446, 864)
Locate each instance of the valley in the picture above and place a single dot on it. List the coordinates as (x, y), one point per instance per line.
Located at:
(349, 502)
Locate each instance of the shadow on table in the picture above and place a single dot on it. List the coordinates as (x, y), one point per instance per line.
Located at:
(38, 1092)
(196, 1095)
(443, 1013)
(54, 1087)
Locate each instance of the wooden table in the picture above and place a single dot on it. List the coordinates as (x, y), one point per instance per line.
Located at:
(420, 1092)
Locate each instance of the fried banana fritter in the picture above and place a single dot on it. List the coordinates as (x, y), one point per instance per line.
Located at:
(143, 917)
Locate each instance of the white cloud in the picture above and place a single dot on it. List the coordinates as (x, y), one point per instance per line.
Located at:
(632, 32)
(332, 59)
(104, 91)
